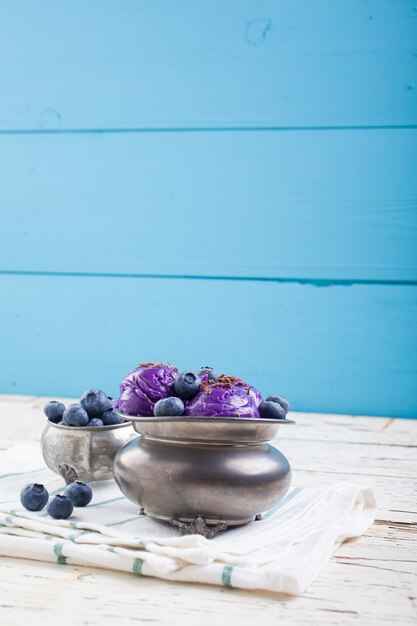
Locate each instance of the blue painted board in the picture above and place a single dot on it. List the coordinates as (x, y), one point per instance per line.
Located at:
(333, 349)
(333, 205)
(189, 63)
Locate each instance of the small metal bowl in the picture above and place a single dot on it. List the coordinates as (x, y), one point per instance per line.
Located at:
(84, 453)
(203, 474)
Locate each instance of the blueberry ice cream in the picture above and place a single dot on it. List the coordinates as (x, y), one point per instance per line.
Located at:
(160, 390)
(228, 396)
(144, 386)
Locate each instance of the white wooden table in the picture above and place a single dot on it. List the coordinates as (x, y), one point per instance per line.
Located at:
(372, 578)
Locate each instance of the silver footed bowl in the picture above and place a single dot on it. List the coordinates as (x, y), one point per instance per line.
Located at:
(84, 453)
(203, 474)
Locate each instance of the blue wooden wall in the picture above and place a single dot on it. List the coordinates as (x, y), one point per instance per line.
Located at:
(231, 183)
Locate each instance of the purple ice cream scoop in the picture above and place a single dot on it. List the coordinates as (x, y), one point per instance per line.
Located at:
(145, 385)
(228, 397)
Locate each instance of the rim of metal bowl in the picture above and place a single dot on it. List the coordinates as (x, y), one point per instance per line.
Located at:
(202, 430)
(202, 418)
(89, 428)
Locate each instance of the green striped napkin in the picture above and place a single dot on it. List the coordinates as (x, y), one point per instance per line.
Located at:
(283, 552)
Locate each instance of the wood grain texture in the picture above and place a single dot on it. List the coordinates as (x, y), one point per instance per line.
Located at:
(369, 580)
(324, 348)
(78, 65)
(328, 206)
(145, 140)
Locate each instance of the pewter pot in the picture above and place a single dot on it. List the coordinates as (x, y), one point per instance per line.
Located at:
(200, 472)
(84, 453)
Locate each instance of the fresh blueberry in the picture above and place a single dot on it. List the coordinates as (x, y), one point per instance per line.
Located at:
(280, 400)
(75, 415)
(79, 493)
(34, 497)
(110, 418)
(96, 421)
(169, 406)
(95, 402)
(54, 411)
(271, 410)
(187, 385)
(60, 507)
(210, 373)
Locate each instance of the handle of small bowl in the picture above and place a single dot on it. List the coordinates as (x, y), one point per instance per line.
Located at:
(68, 473)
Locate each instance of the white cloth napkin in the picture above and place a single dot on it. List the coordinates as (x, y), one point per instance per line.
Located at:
(283, 552)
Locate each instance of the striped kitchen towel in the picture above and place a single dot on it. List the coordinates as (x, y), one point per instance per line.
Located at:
(283, 552)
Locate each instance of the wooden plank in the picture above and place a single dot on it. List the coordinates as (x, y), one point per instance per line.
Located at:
(362, 430)
(342, 593)
(299, 206)
(378, 433)
(369, 580)
(78, 65)
(351, 348)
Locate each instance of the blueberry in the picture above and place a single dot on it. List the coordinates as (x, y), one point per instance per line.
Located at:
(280, 400)
(210, 372)
(169, 406)
(74, 415)
(187, 385)
(34, 497)
(95, 402)
(110, 418)
(96, 421)
(271, 410)
(54, 411)
(79, 493)
(60, 507)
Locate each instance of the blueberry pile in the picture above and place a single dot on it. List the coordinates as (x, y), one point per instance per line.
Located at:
(35, 497)
(95, 409)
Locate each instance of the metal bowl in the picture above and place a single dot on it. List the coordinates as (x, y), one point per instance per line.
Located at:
(84, 453)
(203, 474)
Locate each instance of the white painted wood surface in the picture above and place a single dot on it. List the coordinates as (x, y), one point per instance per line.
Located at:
(369, 580)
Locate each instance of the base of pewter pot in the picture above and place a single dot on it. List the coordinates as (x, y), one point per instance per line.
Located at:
(209, 521)
(184, 481)
(197, 526)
